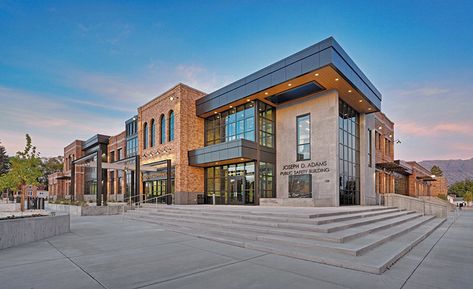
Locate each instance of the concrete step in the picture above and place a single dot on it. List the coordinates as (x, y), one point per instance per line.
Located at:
(235, 216)
(327, 228)
(340, 218)
(375, 261)
(355, 248)
(269, 212)
(250, 228)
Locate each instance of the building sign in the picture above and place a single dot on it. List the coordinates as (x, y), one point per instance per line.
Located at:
(158, 175)
(304, 168)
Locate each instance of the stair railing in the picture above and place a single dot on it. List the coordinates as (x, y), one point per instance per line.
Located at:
(154, 199)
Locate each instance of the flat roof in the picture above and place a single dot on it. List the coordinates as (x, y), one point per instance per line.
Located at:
(325, 53)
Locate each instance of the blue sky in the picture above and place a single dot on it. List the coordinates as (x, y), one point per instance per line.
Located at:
(71, 69)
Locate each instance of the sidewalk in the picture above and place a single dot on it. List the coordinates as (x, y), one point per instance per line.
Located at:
(112, 252)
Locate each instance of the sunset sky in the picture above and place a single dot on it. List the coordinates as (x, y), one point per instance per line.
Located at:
(69, 70)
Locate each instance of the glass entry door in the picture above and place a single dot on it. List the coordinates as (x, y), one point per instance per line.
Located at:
(236, 190)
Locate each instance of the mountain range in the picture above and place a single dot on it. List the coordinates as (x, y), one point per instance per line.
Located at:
(453, 170)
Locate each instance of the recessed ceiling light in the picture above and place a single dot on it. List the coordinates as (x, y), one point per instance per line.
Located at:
(390, 135)
(215, 112)
(231, 106)
(316, 74)
(336, 79)
(171, 98)
(369, 108)
(266, 93)
(380, 127)
(242, 159)
(289, 84)
(248, 100)
(361, 100)
(349, 91)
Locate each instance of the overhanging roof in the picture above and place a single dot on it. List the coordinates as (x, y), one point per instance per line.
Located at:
(327, 53)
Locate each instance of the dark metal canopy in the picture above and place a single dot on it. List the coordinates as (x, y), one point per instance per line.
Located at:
(394, 167)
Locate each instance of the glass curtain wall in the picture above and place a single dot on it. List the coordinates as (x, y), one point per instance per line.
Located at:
(349, 155)
(236, 123)
(266, 124)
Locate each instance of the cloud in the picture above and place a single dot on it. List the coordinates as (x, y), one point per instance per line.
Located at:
(50, 120)
(431, 130)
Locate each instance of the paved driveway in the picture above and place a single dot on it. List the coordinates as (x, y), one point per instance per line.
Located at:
(112, 252)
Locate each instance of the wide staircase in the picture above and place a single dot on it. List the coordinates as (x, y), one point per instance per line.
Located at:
(368, 239)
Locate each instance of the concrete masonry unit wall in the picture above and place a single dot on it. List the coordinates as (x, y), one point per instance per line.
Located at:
(14, 232)
(86, 210)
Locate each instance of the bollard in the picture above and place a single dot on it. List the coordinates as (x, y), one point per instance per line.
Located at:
(213, 199)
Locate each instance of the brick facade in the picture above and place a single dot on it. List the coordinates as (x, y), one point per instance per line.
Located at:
(439, 187)
(384, 152)
(188, 135)
(116, 178)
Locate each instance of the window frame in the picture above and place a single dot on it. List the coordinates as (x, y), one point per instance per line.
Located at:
(162, 125)
(297, 138)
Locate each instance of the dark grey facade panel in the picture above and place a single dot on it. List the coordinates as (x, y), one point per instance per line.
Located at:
(95, 140)
(230, 150)
(326, 52)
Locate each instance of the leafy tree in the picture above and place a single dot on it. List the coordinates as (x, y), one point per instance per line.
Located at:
(468, 197)
(435, 170)
(461, 188)
(25, 170)
(50, 166)
(4, 160)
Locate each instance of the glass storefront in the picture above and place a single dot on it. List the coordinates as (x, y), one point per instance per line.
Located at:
(349, 155)
(90, 182)
(232, 184)
(154, 184)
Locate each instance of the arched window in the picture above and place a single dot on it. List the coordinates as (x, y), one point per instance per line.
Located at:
(145, 136)
(153, 133)
(163, 129)
(171, 126)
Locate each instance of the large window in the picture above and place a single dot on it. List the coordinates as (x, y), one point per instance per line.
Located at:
(112, 182)
(266, 124)
(171, 126)
(153, 133)
(303, 137)
(349, 155)
(266, 180)
(163, 129)
(145, 136)
(370, 148)
(300, 186)
(236, 123)
(119, 182)
(131, 147)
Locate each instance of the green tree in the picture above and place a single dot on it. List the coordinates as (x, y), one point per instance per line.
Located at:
(25, 169)
(468, 197)
(461, 188)
(437, 171)
(4, 160)
(50, 166)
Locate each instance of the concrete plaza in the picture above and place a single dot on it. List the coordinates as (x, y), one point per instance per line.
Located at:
(116, 252)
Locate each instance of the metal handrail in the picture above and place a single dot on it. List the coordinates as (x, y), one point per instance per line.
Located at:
(153, 198)
(145, 200)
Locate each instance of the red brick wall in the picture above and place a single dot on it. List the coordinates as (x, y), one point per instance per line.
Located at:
(188, 135)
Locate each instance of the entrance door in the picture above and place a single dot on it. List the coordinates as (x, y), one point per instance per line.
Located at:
(236, 190)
